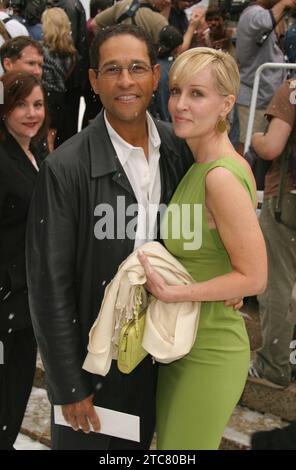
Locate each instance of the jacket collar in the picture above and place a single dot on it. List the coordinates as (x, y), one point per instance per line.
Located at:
(103, 155)
(104, 159)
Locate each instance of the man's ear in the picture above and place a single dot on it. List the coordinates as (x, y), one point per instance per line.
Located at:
(92, 74)
(156, 76)
(7, 64)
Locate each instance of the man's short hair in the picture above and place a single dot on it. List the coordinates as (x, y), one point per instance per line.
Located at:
(120, 30)
(169, 39)
(13, 48)
(214, 11)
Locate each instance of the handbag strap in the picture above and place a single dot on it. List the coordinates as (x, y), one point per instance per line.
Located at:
(285, 159)
(137, 307)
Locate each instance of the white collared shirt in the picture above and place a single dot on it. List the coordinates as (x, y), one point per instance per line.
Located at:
(143, 175)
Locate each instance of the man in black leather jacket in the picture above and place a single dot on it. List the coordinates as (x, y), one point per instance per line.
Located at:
(69, 262)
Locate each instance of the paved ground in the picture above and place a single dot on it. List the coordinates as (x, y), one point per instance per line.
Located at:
(24, 442)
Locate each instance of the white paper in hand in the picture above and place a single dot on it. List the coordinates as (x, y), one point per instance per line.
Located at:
(113, 423)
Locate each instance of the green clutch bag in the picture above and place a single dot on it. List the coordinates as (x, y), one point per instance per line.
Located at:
(130, 350)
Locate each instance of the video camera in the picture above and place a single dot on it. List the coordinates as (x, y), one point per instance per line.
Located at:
(31, 10)
(231, 9)
(18, 5)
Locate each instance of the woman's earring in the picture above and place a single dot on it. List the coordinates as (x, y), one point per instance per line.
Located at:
(221, 125)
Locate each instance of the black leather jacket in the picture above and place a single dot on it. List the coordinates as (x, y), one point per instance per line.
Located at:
(68, 268)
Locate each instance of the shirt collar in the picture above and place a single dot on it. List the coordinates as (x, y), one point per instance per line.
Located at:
(123, 148)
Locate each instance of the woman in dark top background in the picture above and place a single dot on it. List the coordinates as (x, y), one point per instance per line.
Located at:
(22, 120)
(59, 62)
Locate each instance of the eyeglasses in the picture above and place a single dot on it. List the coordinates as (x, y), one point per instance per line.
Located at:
(136, 70)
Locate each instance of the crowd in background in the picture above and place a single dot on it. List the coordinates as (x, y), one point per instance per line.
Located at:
(51, 40)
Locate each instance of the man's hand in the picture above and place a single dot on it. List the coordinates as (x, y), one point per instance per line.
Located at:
(80, 414)
(197, 16)
(279, 8)
(235, 303)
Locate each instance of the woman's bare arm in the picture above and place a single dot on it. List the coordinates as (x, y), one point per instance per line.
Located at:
(270, 145)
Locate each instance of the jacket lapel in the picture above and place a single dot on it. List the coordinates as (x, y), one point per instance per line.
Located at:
(120, 178)
(23, 164)
(103, 156)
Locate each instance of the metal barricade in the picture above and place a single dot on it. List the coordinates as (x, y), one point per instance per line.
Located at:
(254, 96)
(253, 109)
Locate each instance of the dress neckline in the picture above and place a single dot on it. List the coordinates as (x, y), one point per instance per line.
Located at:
(227, 157)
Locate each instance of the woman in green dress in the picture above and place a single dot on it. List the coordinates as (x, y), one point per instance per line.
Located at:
(226, 257)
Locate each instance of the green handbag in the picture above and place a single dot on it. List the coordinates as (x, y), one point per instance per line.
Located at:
(130, 349)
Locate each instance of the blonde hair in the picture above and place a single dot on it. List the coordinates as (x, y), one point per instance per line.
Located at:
(57, 31)
(224, 67)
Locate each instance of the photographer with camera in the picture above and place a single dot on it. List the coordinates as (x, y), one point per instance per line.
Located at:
(259, 31)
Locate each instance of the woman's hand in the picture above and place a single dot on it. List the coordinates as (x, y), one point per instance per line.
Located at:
(155, 284)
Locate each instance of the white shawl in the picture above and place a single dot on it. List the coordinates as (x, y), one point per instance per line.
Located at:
(170, 328)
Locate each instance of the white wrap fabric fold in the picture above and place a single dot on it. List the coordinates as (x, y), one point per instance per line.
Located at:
(170, 328)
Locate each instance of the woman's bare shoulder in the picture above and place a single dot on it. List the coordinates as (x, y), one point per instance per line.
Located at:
(247, 167)
(222, 171)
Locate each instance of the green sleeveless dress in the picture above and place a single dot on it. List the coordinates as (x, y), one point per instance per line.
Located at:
(197, 394)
